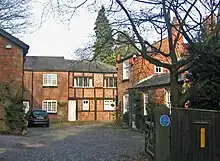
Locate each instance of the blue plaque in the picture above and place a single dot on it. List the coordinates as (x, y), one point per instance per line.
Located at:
(164, 120)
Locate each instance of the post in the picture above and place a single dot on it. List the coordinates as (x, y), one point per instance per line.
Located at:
(162, 131)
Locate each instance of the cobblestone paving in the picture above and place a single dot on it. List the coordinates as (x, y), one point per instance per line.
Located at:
(72, 143)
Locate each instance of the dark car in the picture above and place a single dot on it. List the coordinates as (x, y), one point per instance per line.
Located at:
(37, 117)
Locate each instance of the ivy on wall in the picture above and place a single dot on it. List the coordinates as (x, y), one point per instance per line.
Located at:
(12, 100)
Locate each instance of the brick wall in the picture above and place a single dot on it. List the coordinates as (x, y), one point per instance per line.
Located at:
(65, 91)
(141, 68)
(35, 92)
(11, 65)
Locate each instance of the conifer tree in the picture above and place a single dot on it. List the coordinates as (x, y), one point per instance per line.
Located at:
(104, 44)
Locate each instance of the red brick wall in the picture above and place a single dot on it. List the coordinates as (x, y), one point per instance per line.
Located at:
(40, 93)
(11, 66)
(60, 93)
(141, 68)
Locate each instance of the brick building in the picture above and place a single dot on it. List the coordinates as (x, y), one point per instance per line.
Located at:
(135, 72)
(12, 54)
(70, 90)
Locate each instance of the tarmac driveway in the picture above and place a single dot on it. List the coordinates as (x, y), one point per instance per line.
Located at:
(72, 143)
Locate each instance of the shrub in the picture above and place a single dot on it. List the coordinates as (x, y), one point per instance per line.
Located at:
(14, 118)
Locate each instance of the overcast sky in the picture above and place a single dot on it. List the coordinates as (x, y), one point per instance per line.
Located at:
(54, 39)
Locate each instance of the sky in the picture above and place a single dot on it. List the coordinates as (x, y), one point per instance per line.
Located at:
(55, 39)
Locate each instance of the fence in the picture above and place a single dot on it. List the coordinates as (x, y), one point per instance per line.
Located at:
(150, 138)
(157, 135)
(194, 135)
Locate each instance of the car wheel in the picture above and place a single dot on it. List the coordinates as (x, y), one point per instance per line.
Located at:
(47, 125)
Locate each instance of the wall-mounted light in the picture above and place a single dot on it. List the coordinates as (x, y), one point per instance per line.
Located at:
(8, 46)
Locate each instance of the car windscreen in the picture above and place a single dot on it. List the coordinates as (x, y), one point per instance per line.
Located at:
(39, 113)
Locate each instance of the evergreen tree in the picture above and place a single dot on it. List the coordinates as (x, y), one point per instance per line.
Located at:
(206, 67)
(124, 46)
(103, 46)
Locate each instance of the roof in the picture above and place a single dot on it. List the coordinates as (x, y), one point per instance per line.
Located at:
(15, 40)
(91, 66)
(157, 80)
(45, 63)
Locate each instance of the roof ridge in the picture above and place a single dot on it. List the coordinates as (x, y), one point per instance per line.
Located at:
(46, 56)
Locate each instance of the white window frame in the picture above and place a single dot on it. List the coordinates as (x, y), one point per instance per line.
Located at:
(126, 69)
(146, 101)
(158, 68)
(107, 105)
(125, 103)
(85, 106)
(106, 79)
(168, 98)
(47, 102)
(27, 106)
(50, 81)
(76, 81)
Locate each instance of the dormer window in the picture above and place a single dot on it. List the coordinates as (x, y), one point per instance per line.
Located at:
(126, 70)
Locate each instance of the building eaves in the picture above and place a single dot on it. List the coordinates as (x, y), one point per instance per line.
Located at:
(156, 81)
(15, 40)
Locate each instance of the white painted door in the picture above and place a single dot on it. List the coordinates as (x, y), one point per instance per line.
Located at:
(72, 110)
(27, 106)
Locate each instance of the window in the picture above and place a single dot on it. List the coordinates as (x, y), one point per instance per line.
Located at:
(83, 82)
(50, 80)
(50, 106)
(168, 98)
(27, 106)
(126, 69)
(110, 82)
(85, 105)
(158, 69)
(109, 105)
(125, 103)
(146, 97)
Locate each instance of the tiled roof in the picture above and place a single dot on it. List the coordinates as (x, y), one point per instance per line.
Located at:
(157, 80)
(60, 64)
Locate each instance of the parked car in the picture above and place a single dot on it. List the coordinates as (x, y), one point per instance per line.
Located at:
(37, 117)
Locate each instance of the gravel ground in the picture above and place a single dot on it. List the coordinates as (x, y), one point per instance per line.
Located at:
(73, 143)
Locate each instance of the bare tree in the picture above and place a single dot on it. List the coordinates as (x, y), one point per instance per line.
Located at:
(15, 15)
(143, 17)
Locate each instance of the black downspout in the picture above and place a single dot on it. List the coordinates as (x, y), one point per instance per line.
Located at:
(22, 81)
(32, 90)
(93, 81)
(68, 88)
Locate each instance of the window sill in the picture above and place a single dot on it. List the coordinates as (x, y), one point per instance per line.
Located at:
(50, 86)
(110, 87)
(109, 110)
(52, 113)
(125, 80)
(82, 87)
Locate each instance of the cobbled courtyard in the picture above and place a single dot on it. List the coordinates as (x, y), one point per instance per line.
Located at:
(73, 143)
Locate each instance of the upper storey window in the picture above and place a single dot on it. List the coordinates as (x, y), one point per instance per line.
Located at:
(126, 69)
